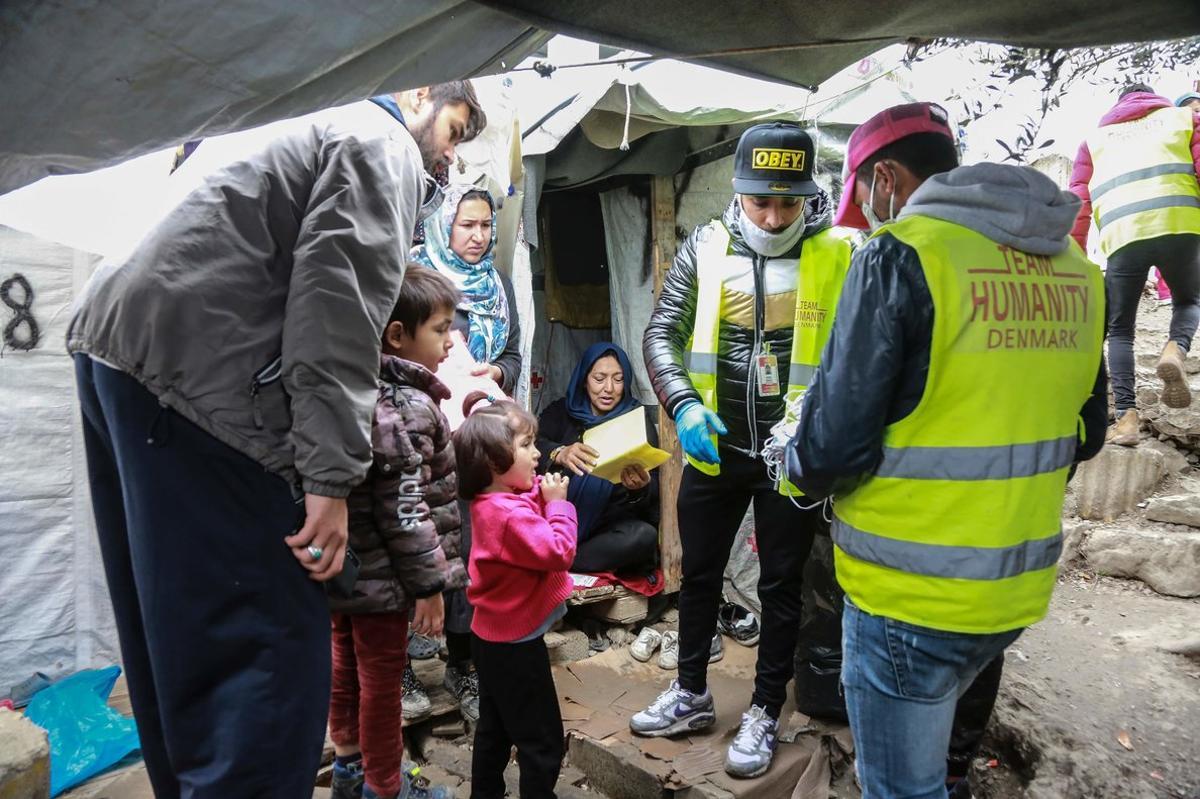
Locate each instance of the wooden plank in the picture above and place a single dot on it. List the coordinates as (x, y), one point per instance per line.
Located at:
(662, 231)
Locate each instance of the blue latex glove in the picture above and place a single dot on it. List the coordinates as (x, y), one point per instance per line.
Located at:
(694, 423)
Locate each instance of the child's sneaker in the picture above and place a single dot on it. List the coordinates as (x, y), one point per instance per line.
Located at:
(464, 686)
(347, 780)
(413, 786)
(645, 644)
(668, 658)
(753, 747)
(422, 647)
(415, 704)
(674, 711)
(716, 649)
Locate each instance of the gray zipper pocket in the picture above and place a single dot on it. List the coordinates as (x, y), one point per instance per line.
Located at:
(271, 373)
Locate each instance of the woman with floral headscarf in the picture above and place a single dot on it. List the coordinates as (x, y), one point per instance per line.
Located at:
(460, 240)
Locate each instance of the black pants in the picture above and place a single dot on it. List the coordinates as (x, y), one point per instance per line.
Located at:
(971, 716)
(518, 706)
(624, 546)
(1178, 258)
(710, 512)
(224, 639)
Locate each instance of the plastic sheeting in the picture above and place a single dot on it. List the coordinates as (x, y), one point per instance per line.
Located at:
(85, 85)
(54, 604)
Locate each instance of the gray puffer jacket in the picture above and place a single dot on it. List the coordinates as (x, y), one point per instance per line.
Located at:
(255, 305)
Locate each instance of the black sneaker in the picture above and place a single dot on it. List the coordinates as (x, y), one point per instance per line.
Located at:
(738, 623)
(463, 685)
(415, 703)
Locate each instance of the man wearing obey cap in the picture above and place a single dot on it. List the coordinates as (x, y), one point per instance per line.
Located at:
(735, 337)
(962, 380)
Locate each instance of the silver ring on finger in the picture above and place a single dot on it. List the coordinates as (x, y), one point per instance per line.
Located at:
(315, 553)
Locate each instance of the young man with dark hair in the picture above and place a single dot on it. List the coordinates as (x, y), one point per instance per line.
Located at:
(227, 373)
(734, 339)
(1136, 176)
(963, 366)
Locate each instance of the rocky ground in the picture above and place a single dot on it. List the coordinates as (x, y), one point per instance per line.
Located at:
(1102, 699)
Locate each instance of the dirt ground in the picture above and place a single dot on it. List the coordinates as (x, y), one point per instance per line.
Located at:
(1092, 706)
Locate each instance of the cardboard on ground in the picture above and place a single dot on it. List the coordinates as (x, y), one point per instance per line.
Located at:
(622, 442)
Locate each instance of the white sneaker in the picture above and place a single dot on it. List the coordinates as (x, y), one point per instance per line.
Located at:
(668, 658)
(753, 747)
(647, 641)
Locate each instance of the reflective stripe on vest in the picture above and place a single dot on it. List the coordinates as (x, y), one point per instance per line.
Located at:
(1144, 181)
(951, 562)
(978, 463)
(821, 271)
(959, 528)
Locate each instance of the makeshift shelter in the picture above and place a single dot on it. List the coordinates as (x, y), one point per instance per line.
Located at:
(620, 164)
(55, 609)
(592, 141)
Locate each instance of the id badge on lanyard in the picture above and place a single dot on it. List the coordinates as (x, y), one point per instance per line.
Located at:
(766, 367)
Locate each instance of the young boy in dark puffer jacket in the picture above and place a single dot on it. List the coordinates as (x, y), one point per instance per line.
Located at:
(404, 527)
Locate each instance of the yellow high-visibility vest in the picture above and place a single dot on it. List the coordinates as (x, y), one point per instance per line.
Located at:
(1144, 182)
(821, 272)
(959, 528)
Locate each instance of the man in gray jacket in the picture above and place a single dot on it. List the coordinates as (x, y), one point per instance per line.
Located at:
(227, 374)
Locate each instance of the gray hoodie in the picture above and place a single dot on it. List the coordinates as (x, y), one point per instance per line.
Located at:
(1012, 205)
(254, 307)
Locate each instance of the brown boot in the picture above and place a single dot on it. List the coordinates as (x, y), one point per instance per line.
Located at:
(1125, 431)
(1175, 393)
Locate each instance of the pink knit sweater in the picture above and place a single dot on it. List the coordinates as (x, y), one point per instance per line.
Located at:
(521, 548)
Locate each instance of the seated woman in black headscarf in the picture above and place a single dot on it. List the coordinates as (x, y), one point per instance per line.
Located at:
(618, 524)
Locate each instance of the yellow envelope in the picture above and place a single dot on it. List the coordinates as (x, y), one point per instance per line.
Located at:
(621, 442)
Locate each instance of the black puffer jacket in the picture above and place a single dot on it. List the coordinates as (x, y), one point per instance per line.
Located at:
(747, 416)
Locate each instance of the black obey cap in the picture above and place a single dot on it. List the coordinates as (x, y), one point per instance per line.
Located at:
(774, 159)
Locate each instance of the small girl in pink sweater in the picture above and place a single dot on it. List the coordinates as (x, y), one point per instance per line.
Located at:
(523, 533)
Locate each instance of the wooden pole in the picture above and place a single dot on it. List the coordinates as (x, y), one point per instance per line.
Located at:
(662, 233)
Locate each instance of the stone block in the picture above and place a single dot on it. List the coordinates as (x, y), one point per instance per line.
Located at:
(1174, 460)
(613, 767)
(1116, 480)
(24, 758)
(1167, 561)
(1176, 509)
(567, 645)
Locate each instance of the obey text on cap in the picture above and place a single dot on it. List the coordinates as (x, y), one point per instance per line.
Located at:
(776, 158)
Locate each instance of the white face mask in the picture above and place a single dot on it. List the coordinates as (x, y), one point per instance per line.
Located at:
(868, 209)
(767, 244)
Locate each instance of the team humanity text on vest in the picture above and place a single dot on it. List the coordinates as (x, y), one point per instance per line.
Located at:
(1062, 298)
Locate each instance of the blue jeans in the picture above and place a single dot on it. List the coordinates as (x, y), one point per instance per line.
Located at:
(902, 683)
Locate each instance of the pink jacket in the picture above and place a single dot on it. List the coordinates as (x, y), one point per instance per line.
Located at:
(1132, 106)
(521, 548)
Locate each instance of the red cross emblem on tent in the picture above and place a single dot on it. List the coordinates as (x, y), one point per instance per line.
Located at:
(536, 380)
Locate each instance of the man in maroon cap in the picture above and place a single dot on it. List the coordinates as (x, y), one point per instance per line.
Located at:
(944, 419)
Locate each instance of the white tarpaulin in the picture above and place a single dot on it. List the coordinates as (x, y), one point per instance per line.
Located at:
(53, 601)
